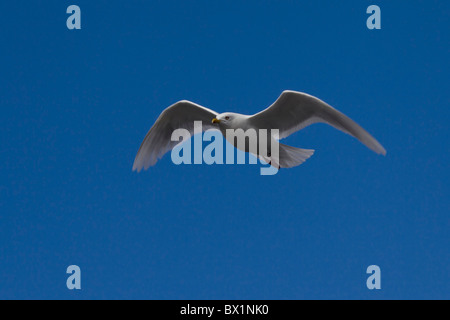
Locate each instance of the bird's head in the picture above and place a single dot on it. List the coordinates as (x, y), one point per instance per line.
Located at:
(225, 119)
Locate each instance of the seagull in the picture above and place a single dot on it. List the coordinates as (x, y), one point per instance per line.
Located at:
(291, 112)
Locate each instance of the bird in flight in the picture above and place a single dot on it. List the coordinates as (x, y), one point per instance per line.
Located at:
(291, 112)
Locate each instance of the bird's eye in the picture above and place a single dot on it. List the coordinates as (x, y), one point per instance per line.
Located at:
(227, 118)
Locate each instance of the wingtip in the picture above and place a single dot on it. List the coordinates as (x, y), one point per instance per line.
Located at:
(381, 150)
(136, 168)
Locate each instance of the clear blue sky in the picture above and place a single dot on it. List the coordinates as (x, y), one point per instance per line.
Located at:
(76, 105)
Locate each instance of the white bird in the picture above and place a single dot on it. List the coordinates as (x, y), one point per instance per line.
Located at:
(291, 112)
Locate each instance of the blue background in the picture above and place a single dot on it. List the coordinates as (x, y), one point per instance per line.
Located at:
(75, 105)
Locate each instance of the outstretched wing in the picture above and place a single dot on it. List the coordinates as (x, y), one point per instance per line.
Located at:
(294, 111)
(158, 142)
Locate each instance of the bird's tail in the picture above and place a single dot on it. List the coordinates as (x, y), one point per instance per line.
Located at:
(291, 157)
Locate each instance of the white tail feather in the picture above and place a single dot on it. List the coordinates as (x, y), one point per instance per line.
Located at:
(291, 157)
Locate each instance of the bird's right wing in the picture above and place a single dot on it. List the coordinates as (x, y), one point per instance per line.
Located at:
(158, 142)
(294, 111)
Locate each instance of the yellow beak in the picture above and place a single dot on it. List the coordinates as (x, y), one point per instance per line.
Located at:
(215, 120)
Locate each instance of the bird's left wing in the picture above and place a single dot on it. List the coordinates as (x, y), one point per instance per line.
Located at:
(294, 111)
(158, 142)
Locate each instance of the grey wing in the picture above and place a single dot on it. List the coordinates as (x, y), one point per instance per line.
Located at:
(158, 142)
(294, 111)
